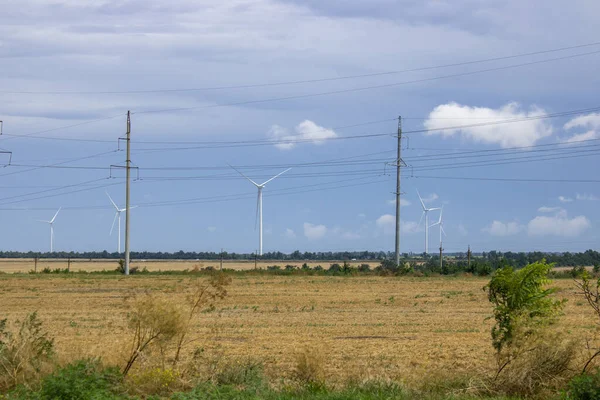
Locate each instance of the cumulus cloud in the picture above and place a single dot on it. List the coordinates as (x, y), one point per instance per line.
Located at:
(564, 199)
(362, 215)
(499, 228)
(586, 197)
(558, 225)
(545, 209)
(387, 223)
(591, 122)
(306, 131)
(289, 233)
(212, 229)
(313, 232)
(524, 133)
(430, 198)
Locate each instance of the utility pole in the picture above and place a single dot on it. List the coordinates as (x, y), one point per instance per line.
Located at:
(255, 259)
(399, 164)
(221, 268)
(441, 264)
(127, 192)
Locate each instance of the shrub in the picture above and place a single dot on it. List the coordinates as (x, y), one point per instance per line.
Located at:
(309, 367)
(335, 268)
(543, 364)
(83, 380)
(364, 268)
(25, 354)
(585, 387)
(577, 272)
(154, 381)
(290, 267)
(245, 372)
(522, 308)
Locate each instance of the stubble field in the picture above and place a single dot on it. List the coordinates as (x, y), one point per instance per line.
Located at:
(401, 328)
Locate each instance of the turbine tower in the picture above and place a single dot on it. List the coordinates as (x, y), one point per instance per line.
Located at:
(426, 214)
(260, 187)
(51, 222)
(117, 216)
(441, 224)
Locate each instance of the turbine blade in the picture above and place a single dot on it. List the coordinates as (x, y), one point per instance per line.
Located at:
(111, 200)
(443, 231)
(113, 224)
(279, 174)
(423, 204)
(441, 211)
(53, 218)
(421, 219)
(41, 220)
(239, 172)
(433, 209)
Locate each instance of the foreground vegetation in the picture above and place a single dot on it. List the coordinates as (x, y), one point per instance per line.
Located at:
(300, 335)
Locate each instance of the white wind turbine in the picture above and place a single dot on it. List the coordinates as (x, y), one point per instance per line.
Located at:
(441, 224)
(426, 214)
(51, 222)
(117, 216)
(260, 187)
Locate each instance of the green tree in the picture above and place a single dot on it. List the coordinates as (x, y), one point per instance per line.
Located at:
(522, 305)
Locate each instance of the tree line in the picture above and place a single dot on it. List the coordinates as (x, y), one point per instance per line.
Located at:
(494, 259)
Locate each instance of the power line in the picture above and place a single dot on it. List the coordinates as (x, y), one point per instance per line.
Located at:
(528, 180)
(303, 96)
(296, 82)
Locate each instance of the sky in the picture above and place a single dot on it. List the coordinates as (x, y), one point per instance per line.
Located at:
(484, 93)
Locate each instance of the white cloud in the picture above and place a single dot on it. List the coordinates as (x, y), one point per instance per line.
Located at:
(387, 223)
(590, 122)
(212, 229)
(289, 233)
(430, 198)
(403, 202)
(313, 232)
(498, 228)
(586, 121)
(524, 133)
(545, 209)
(306, 131)
(589, 135)
(462, 230)
(587, 197)
(361, 215)
(558, 225)
(564, 199)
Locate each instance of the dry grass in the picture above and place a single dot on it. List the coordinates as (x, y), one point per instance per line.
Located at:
(24, 265)
(370, 327)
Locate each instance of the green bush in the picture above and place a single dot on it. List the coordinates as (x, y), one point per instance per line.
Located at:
(585, 387)
(85, 379)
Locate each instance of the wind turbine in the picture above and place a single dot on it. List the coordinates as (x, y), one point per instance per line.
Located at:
(117, 216)
(260, 187)
(441, 224)
(51, 222)
(426, 214)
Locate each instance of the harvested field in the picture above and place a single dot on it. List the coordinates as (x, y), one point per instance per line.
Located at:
(24, 265)
(366, 326)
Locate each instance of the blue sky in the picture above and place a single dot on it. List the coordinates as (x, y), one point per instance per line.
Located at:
(97, 51)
